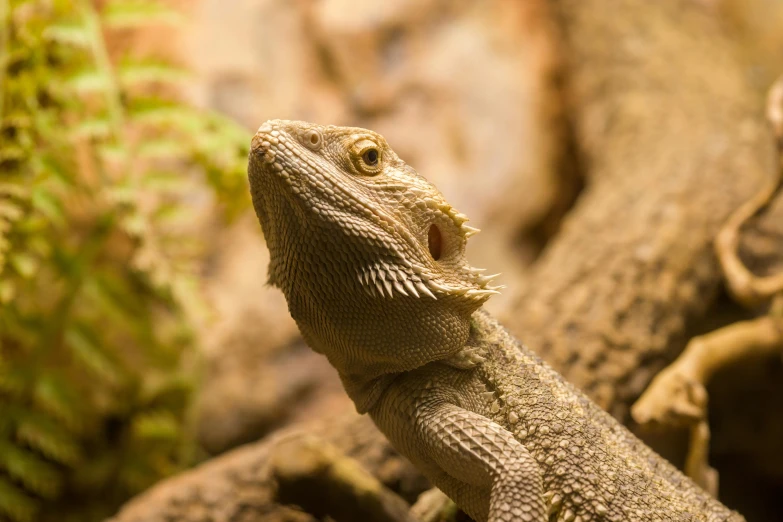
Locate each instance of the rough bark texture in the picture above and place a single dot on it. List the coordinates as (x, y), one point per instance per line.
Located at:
(762, 240)
(243, 485)
(671, 139)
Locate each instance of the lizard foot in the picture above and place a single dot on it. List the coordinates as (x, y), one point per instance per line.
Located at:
(467, 358)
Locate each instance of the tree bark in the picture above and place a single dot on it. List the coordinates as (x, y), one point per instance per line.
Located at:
(268, 480)
(671, 139)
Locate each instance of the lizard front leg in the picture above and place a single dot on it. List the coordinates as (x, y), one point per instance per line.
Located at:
(475, 461)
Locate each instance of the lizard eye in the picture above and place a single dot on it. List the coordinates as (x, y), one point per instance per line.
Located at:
(366, 157)
(370, 157)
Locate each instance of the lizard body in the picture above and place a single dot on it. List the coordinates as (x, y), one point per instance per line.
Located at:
(371, 259)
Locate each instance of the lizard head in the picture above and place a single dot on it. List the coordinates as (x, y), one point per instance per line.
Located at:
(370, 256)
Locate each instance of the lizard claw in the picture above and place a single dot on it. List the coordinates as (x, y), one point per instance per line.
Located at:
(466, 359)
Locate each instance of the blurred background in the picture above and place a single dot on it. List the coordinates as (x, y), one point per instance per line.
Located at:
(137, 336)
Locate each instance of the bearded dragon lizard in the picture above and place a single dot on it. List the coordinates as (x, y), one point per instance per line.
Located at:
(371, 259)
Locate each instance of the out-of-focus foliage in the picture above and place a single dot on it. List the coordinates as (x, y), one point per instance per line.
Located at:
(101, 170)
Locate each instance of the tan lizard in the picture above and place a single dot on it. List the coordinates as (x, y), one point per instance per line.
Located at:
(371, 259)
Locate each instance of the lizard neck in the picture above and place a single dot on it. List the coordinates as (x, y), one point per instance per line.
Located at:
(366, 336)
(370, 349)
(483, 331)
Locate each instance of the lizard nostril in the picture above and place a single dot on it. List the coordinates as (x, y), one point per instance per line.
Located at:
(257, 144)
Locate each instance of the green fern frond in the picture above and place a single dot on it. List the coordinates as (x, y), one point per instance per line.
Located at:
(103, 293)
(99, 127)
(49, 205)
(10, 211)
(25, 264)
(11, 154)
(113, 153)
(171, 394)
(181, 119)
(15, 503)
(12, 382)
(138, 475)
(161, 149)
(30, 470)
(87, 81)
(161, 180)
(46, 436)
(95, 270)
(74, 34)
(12, 190)
(87, 350)
(7, 286)
(133, 73)
(53, 394)
(125, 14)
(156, 425)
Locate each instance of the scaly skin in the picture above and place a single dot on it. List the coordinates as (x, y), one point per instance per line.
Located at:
(371, 260)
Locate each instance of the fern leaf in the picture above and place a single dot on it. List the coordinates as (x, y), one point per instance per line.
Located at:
(11, 153)
(45, 435)
(30, 470)
(107, 343)
(10, 210)
(68, 34)
(172, 394)
(25, 264)
(156, 425)
(124, 14)
(94, 128)
(182, 119)
(137, 475)
(163, 181)
(86, 350)
(47, 164)
(45, 202)
(39, 245)
(54, 395)
(113, 153)
(13, 190)
(160, 149)
(7, 293)
(88, 81)
(112, 304)
(172, 213)
(135, 73)
(16, 120)
(18, 506)
(13, 382)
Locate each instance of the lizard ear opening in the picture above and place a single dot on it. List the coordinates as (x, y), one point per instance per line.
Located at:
(435, 241)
